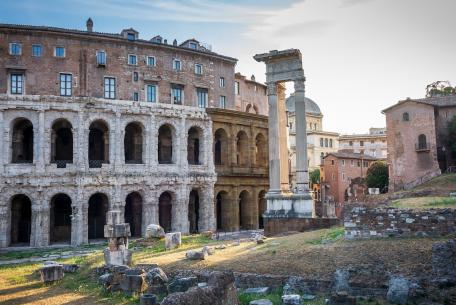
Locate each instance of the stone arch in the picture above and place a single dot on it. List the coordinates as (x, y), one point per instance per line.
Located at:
(194, 211)
(262, 207)
(251, 108)
(245, 211)
(22, 141)
(165, 144)
(165, 207)
(61, 142)
(60, 218)
(98, 207)
(98, 143)
(221, 147)
(21, 220)
(242, 148)
(261, 150)
(194, 145)
(133, 143)
(222, 211)
(133, 213)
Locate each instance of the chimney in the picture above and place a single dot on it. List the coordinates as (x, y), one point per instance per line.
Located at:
(252, 77)
(174, 42)
(89, 25)
(165, 41)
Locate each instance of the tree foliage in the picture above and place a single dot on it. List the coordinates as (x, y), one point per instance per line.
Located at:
(377, 175)
(314, 176)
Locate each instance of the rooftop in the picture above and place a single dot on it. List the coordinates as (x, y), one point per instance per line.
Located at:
(350, 155)
(439, 101)
(311, 106)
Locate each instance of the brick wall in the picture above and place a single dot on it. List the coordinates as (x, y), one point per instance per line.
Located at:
(363, 222)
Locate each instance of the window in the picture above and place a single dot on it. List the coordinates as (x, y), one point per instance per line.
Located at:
(59, 52)
(366, 163)
(330, 143)
(236, 88)
(132, 60)
(222, 82)
(326, 142)
(405, 117)
(343, 176)
(151, 93)
(17, 83)
(332, 162)
(131, 36)
(343, 162)
(151, 61)
(135, 96)
(222, 101)
(193, 45)
(101, 58)
(202, 97)
(15, 48)
(350, 143)
(352, 162)
(321, 142)
(359, 163)
(177, 94)
(361, 143)
(422, 143)
(198, 69)
(65, 84)
(177, 65)
(110, 87)
(135, 76)
(315, 126)
(37, 50)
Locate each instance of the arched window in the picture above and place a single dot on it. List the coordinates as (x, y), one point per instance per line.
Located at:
(422, 144)
(165, 144)
(245, 211)
(133, 143)
(193, 145)
(222, 212)
(242, 149)
(405, 117)
(261, 150)
(220, 147)
(98, 144)
(22, 142)
(62, 143)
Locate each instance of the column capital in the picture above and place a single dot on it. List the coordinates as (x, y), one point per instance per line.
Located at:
(272, 88)
(299, 85)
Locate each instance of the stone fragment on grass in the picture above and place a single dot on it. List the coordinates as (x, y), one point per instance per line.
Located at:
(182, 284)
(156, 281)
(154, 231)
(148, 299)
(196, 255)
(261, 302)
(291, 299)
(398, 290)
(209, 250)
(51, 273)
(173, 240)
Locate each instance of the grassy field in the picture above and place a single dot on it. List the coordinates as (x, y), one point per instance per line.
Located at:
(425, 202)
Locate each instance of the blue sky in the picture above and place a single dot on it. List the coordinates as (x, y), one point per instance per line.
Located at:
(360, 56)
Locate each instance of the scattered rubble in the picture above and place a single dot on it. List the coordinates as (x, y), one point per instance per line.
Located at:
(173, 240)
(154, 231)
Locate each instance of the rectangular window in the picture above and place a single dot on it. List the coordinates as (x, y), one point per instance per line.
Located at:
(366, 164)
(330, 143)
(151, 61)
(361, 143)
(352, 163)
(222, 82)
(177, 94)
(101, 58)
(59, 52)
(151, 93)
(332, 162)
(202, 97)
(131, 36)
(326, 142)
(343, 162)
(176, 65)
(132, 60)
(37, 50)
(350, 143)
(198, 69)
(193, 45)
(17, 83)
(359, 163)
(135, 76)
(236, 88)
(136, 96)
(65, 84)
(343, 176)
(15, 48)
(110, 87)
(222, 101)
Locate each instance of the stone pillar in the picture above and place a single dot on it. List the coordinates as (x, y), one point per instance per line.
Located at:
(180, 146)
(116, 142)
(278, 160)
(80, 148)
(39, 236)
(207, 220)
(5, 225)
(179, 211)
(39, 137)
(3, 143)
(150, 211)
(77, 221)
(302, 174)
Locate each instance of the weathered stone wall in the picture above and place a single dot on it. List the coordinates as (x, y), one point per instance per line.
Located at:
(41, 180)
(363, 222)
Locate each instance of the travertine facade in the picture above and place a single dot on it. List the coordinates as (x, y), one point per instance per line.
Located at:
(373, 144)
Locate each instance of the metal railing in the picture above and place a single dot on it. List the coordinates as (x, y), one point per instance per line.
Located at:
(422, 146)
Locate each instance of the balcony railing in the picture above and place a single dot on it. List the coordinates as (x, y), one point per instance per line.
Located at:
(422, 147)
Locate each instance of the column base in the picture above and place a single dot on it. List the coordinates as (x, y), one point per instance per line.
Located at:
(287, 204)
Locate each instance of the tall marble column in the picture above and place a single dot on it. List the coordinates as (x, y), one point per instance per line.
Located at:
(302, 174)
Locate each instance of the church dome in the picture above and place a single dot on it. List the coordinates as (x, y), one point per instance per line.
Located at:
(311, 106)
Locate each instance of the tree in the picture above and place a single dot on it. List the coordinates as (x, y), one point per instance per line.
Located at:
(314, 176)
(377, 176)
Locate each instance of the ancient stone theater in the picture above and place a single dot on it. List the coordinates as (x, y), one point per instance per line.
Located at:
(92, 122)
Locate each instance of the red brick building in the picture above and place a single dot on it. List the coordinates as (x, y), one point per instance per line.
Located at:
(338, 171)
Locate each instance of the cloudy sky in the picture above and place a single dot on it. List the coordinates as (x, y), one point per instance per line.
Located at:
(360, 56)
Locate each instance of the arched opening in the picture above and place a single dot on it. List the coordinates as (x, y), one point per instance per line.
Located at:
(193, 145)
(193, 211)
(165, 144)
(242, 149)
(60, 218)
(261, 150)
(133, 213)
(422, 143)
(22, 142)
(165, 211)
(262, 207)
(248, 108)
(98, 144)
(220, 147)
(62, 143)
(405, 117)
(255, 109)
(21, 220)
(98, 207)
(222, 211)
(245, 211)
(133, 143)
